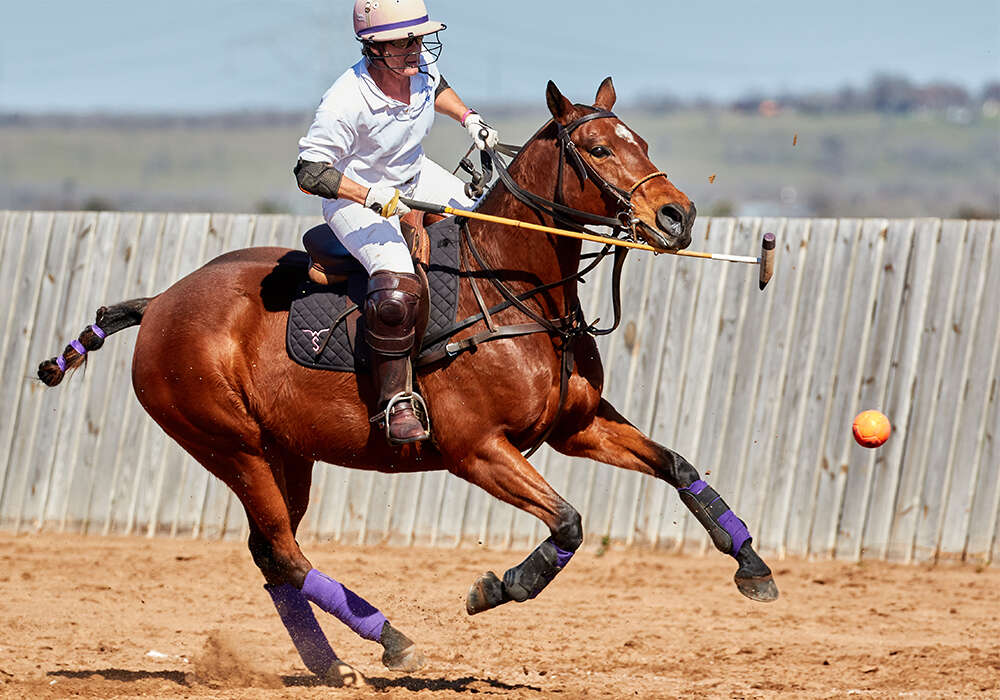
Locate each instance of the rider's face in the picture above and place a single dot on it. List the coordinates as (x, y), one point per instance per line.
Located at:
(401, 55)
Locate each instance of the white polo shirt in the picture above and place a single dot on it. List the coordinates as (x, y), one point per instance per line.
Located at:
(370, 137)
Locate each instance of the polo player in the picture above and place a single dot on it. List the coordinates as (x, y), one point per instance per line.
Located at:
(361, 153)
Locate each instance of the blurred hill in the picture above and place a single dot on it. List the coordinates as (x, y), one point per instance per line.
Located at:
(889, 149)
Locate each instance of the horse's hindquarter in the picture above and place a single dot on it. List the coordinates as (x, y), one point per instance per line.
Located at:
(210, 362)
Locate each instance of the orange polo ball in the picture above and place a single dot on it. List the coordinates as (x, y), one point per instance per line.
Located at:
(871, 428)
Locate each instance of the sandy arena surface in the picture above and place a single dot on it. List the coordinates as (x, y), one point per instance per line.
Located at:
(130, 617)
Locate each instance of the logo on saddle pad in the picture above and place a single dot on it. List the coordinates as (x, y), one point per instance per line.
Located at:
(316, 336)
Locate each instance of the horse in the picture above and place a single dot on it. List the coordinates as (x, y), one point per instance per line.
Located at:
(256, 420)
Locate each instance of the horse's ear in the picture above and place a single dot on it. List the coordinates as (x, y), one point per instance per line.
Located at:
(605, 95)
(558, 105)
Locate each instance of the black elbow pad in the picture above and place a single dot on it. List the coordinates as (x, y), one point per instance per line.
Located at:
(321, 179)
(442, 86)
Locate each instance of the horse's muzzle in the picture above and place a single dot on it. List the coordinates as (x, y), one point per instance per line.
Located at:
(675, 224)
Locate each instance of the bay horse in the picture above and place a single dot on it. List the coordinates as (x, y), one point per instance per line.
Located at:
(256, 420)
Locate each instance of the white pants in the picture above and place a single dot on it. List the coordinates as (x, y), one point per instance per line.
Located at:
(376, 241)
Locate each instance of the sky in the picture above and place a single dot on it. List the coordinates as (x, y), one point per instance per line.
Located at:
(229, 55)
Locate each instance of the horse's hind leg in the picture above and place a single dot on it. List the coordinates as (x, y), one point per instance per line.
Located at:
(255, 480)
(499, 468)
(294, 479)
(611, 439)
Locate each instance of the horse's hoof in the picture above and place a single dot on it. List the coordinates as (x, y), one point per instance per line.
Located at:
(341, 675)
(486, 593)
(759, 588)
(406, 661)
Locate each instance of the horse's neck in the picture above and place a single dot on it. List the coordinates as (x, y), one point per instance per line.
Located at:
(530, 258)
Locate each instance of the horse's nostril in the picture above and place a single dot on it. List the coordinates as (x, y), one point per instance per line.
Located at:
(670, 219)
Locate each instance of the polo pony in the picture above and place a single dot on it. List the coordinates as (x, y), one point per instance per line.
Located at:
(258, 421)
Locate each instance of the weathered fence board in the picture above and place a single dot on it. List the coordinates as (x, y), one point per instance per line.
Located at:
(756, 389)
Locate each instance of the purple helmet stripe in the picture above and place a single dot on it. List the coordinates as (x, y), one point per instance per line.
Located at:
(78, 346)
(393, 25)
(98, 331)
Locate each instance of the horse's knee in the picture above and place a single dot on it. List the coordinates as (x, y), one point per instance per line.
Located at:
(277, 566)
(568, 533)
(675, 470)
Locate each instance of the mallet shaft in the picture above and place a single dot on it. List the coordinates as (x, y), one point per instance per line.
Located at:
(441, 209)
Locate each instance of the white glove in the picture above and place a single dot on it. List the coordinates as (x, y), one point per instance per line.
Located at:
(385, 201)
(482, 135)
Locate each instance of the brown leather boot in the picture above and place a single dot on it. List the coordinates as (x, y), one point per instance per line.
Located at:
(391, 310)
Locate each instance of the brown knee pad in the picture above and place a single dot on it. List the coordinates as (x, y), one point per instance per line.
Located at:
(391, 310)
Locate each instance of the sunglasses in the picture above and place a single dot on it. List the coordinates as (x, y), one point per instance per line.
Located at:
(405, 43)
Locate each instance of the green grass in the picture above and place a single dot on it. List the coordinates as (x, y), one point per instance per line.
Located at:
(840, 165)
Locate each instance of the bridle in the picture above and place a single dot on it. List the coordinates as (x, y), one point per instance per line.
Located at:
(572, 324)
(569, 153)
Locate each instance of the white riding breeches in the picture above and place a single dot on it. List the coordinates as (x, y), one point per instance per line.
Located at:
(377, 242)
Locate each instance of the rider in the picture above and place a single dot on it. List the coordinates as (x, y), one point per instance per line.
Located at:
(362, 153)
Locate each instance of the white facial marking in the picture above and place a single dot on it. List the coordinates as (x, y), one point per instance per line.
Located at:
(625, 134)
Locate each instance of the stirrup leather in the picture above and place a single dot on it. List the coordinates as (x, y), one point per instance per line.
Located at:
(419, 410)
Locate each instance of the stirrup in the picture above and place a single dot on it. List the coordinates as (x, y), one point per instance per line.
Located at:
(419, 410)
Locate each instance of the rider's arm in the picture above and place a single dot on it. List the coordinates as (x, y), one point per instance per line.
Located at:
(448, 102)
(326, 181)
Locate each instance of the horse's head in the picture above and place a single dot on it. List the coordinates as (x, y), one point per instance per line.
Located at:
(610, 164)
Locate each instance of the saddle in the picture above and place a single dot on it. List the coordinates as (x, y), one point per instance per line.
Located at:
(325, 322)
(330, 263)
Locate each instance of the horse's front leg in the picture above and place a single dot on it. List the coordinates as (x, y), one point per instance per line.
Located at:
(611, 439)
(500, 469)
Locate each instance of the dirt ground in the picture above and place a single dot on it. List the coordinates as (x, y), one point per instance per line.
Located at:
(130, 617)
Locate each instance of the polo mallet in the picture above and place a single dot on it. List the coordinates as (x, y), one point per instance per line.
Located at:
(765, 261)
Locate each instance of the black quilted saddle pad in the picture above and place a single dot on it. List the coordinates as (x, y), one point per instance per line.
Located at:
(318, 336)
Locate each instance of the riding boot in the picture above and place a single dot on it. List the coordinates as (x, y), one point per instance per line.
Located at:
(392, 307)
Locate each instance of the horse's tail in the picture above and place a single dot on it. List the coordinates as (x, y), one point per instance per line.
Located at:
(110, 319)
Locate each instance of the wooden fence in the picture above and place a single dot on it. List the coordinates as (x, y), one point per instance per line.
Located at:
(758, 390)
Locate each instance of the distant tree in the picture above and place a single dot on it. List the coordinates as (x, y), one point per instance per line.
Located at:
(97, 203)
(892, 93)
(990, 91)
(269, 206)
(721, 207)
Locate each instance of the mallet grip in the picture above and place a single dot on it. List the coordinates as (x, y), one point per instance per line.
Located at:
(424, 206)
(767, 251)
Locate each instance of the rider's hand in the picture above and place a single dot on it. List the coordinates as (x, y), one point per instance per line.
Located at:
(482, 135)
(385, 201)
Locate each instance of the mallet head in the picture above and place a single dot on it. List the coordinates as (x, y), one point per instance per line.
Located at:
(767, 249)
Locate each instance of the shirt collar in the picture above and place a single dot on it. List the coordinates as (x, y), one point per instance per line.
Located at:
(378, 100)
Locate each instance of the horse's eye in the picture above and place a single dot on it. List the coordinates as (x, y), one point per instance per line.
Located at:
(600, 152)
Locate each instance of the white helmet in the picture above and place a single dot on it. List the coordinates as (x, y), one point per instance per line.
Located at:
(387, 20)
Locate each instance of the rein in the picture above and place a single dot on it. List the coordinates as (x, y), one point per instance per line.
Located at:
(570, 325)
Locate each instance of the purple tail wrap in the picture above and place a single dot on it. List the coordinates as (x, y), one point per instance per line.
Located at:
(308, 638)
(349, 608)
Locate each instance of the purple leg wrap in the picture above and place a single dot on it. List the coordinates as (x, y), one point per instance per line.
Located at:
(346, 606)
(308, 638)
(562, 556)
(713, 512)
(736, 529)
